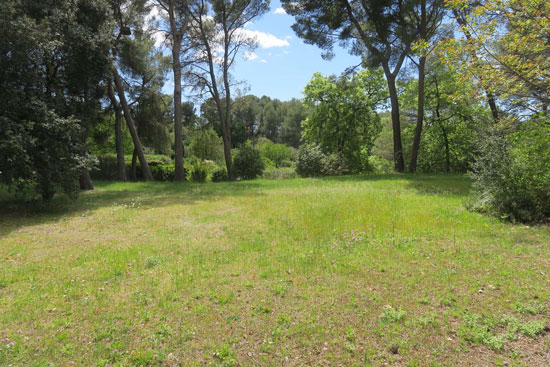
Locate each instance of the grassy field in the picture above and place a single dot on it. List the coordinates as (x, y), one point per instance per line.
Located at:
(352, 271)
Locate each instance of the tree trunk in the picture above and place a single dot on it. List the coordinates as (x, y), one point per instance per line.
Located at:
(85, 180)
(399, 162)
(179, 171)
(421, 78)
(133, 167)
(227, 114)
(121, 164)
(420, 114)
(131, 126)
(493, 107)
(227, 152)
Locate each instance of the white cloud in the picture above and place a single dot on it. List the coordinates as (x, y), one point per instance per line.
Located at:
(152, 24)
(249, 55)
(263, 61)
(266, 40)
(279, 11)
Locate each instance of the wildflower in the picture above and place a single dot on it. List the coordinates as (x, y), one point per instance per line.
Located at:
(155, 356)
(83, 340)
(19, 331)
(115, 351)
(107, 339)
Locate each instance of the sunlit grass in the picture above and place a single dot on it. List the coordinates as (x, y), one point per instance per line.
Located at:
(351, 271)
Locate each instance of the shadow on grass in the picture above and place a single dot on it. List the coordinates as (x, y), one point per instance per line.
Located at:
(424, 184)
(16, 213)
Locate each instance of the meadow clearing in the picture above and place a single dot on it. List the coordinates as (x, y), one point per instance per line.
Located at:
(348, 271)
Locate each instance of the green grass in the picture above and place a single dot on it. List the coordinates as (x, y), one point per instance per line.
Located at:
(351, 271)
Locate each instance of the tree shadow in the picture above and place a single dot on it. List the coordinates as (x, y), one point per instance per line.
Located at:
(457, 185)
(16, 213)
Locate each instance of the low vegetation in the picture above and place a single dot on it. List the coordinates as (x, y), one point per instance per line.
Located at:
(355, 271)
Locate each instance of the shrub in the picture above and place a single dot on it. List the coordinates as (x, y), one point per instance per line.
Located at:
(279, 154)
(334, 165)
(163, 172)
(378, 165)
(207, 145)
(199, 172)
(247, 162)
(512, 174)
(220, 175)
(310, 161)
(42, 150)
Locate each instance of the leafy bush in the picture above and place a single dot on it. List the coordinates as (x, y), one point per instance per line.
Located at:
(310, 161)
(41, 149)
(207, 145)
(247, 162)
(220, 175)
(334, 165)
(199, 172)
(378, 165)
(279, 154)
(512, 174)
(164, 172)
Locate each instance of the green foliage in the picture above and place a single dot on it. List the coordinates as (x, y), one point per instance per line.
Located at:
(42, 150)
(379, 165)
(199, 172)
(279, 154)
(294, 112)
(206, 145)
(310, 161)
(163, 172)
(248, 162)
(220, 175)
(452, 120)
(344, 118)
(50, 71)
(480, 330)
(392, 315)
(106, 167)
(512, 174)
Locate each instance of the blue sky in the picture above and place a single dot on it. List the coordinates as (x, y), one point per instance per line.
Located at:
(282, 64)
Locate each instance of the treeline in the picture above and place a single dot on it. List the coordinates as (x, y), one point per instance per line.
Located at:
(444, 86)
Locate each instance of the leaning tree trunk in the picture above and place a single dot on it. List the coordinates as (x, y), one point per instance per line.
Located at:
(131, 126)
(133, 168)
(420, 114)
(121, 164)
